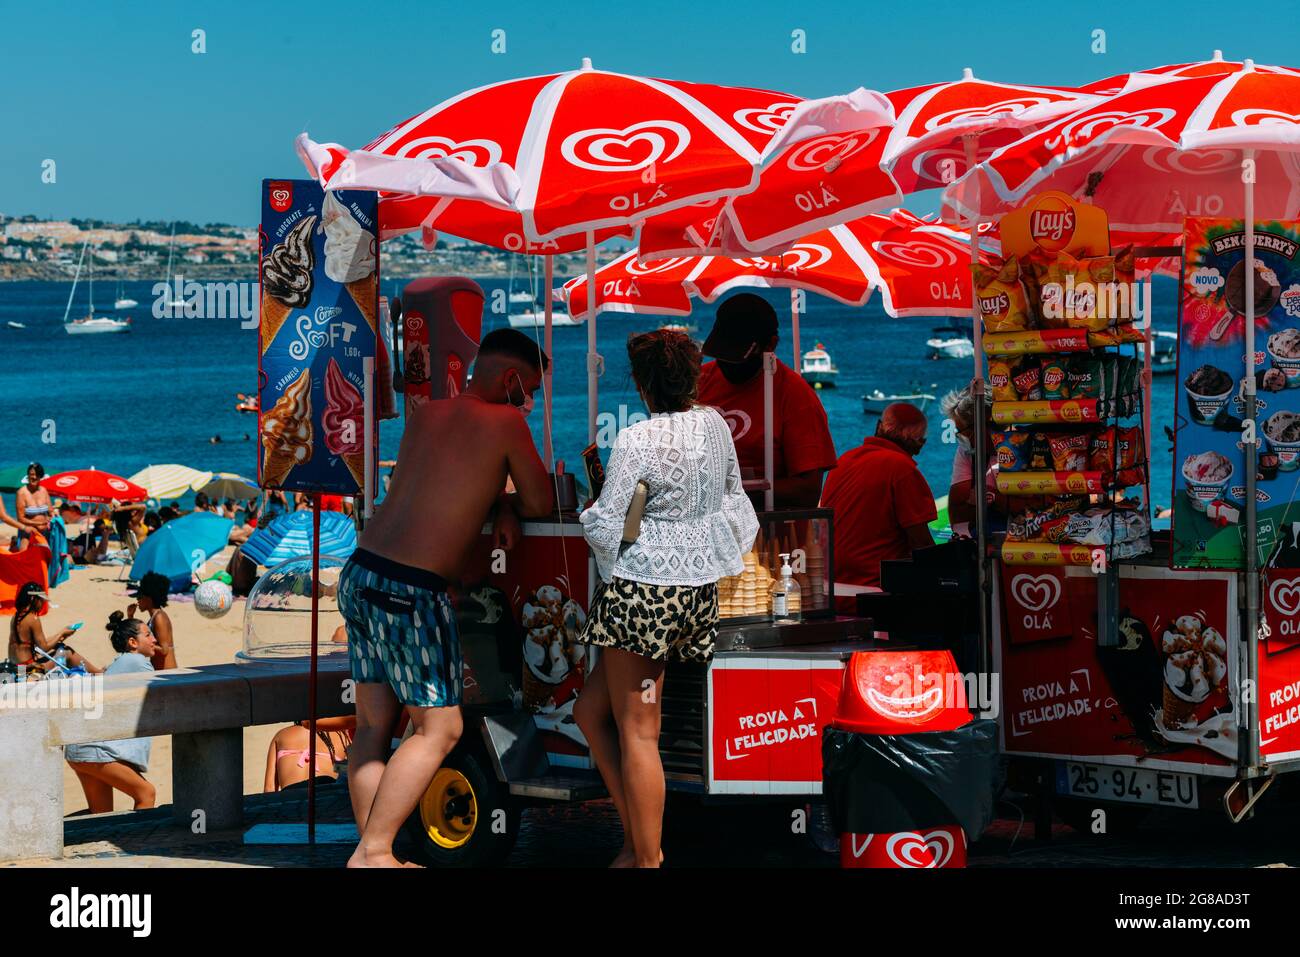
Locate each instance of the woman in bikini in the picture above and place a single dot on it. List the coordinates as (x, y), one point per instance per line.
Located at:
(151, 598)
(34, 504)
(290, 750)
(26, 635)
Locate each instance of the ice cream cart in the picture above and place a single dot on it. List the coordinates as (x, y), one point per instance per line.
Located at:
(746, 725)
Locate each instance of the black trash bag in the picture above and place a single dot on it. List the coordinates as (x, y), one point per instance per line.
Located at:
(882, 784)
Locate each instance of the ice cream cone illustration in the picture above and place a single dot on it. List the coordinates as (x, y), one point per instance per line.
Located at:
(343, 422)
(287, 432)
(287, 279)
(1185, 687)
(350, 257)
(365, 295)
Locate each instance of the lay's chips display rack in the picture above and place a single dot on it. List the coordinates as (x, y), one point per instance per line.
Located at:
(1065, 372)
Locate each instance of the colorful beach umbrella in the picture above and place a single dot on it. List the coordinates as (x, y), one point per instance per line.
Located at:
(941, 127)
(567, 152)
(178, 548)
(13, 478)
(169, 481)
(92, 485)
(1156, 153)
(223, 485)
(290, 535)
(921, 269)
(1215, 66)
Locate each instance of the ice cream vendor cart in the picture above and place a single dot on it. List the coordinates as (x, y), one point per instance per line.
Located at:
(746, 725)
(1140, 686)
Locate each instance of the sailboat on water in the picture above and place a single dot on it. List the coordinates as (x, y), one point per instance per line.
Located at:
(174, 308)
(90, 323)
(123, 301)
(532, 316)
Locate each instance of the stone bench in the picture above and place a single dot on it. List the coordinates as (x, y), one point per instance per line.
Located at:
(204, 709)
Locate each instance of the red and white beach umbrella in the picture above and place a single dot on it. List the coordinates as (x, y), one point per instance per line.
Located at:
(1157, 153)
(92, 485)
(568, 152)
(942, 127)
(1216, 66)
(921, 269)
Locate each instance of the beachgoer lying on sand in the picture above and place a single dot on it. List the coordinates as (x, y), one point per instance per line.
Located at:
(108, 766)
(91, 546)
(289, 752)
(241, 533)
(151, 598)
(26, 635)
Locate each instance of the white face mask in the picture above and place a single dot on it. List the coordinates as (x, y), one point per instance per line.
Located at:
(526, 404)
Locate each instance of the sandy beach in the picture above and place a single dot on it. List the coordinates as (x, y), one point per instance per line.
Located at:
(90, 595)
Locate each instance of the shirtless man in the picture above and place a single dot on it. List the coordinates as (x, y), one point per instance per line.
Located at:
(454, 459)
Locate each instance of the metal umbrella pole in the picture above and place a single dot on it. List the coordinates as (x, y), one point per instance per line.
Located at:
(547, 438)
(593, 358)
(794, 326)
(1250, 733)
(980, 436)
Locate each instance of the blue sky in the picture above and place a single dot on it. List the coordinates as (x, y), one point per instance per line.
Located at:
(140, 126)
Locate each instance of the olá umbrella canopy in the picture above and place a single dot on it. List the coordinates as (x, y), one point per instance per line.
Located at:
(921, 269)
(169, 481)
(588, 149)
(290, 536)
(224, 485)
(92, 485)
(1156, 153)
(178, 548)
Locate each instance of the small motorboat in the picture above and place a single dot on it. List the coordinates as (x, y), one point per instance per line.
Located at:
(536, 319)
(15, 325)
(1164, 352)
(949, 342)
(876, 401)
(96, 324)
(817, 368)
(678, 327)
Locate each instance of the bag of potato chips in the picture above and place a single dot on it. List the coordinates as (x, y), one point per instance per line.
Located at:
(1001, 369)
(1001, 296)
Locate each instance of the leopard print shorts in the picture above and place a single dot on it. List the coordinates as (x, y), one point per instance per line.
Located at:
(654, 620)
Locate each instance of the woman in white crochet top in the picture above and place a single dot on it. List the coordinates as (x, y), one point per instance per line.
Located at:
(658, 596)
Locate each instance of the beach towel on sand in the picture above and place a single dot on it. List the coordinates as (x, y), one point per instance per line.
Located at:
(32, 564)
(59, 560)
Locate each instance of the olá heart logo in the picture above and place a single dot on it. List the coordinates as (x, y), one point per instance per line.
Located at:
(913, 849)
(1036, 593)
(1285, 595)
(632, 148)
(281, 196)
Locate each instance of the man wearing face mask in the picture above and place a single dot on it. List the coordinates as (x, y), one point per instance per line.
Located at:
(882, 503)
(455, 457)
(744, 329)
(959, 407)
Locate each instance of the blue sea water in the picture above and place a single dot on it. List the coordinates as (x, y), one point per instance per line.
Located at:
(160, 393)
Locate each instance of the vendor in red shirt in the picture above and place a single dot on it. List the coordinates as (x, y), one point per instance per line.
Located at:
(802, 449)
(881, 501)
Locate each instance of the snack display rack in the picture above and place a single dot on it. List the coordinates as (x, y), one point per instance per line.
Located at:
(1062, 388)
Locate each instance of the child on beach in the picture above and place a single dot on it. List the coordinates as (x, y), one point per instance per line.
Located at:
(108, 766)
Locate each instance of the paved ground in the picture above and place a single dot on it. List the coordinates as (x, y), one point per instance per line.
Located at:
(736, 835)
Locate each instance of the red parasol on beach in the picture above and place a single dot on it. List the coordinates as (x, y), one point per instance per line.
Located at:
(920, 268)
(1215, 66)
(92, 485)
(566, 153)
(1156, 153)
(942, 127)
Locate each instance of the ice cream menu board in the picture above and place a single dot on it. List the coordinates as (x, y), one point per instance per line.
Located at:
(1209, 458)
(319, 308)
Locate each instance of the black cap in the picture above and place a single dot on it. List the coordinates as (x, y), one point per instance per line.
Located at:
(743, 321)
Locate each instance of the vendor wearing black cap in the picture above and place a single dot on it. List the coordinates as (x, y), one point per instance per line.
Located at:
(802, 450)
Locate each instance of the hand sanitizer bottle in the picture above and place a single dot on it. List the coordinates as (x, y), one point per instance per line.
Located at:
(786, 603)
